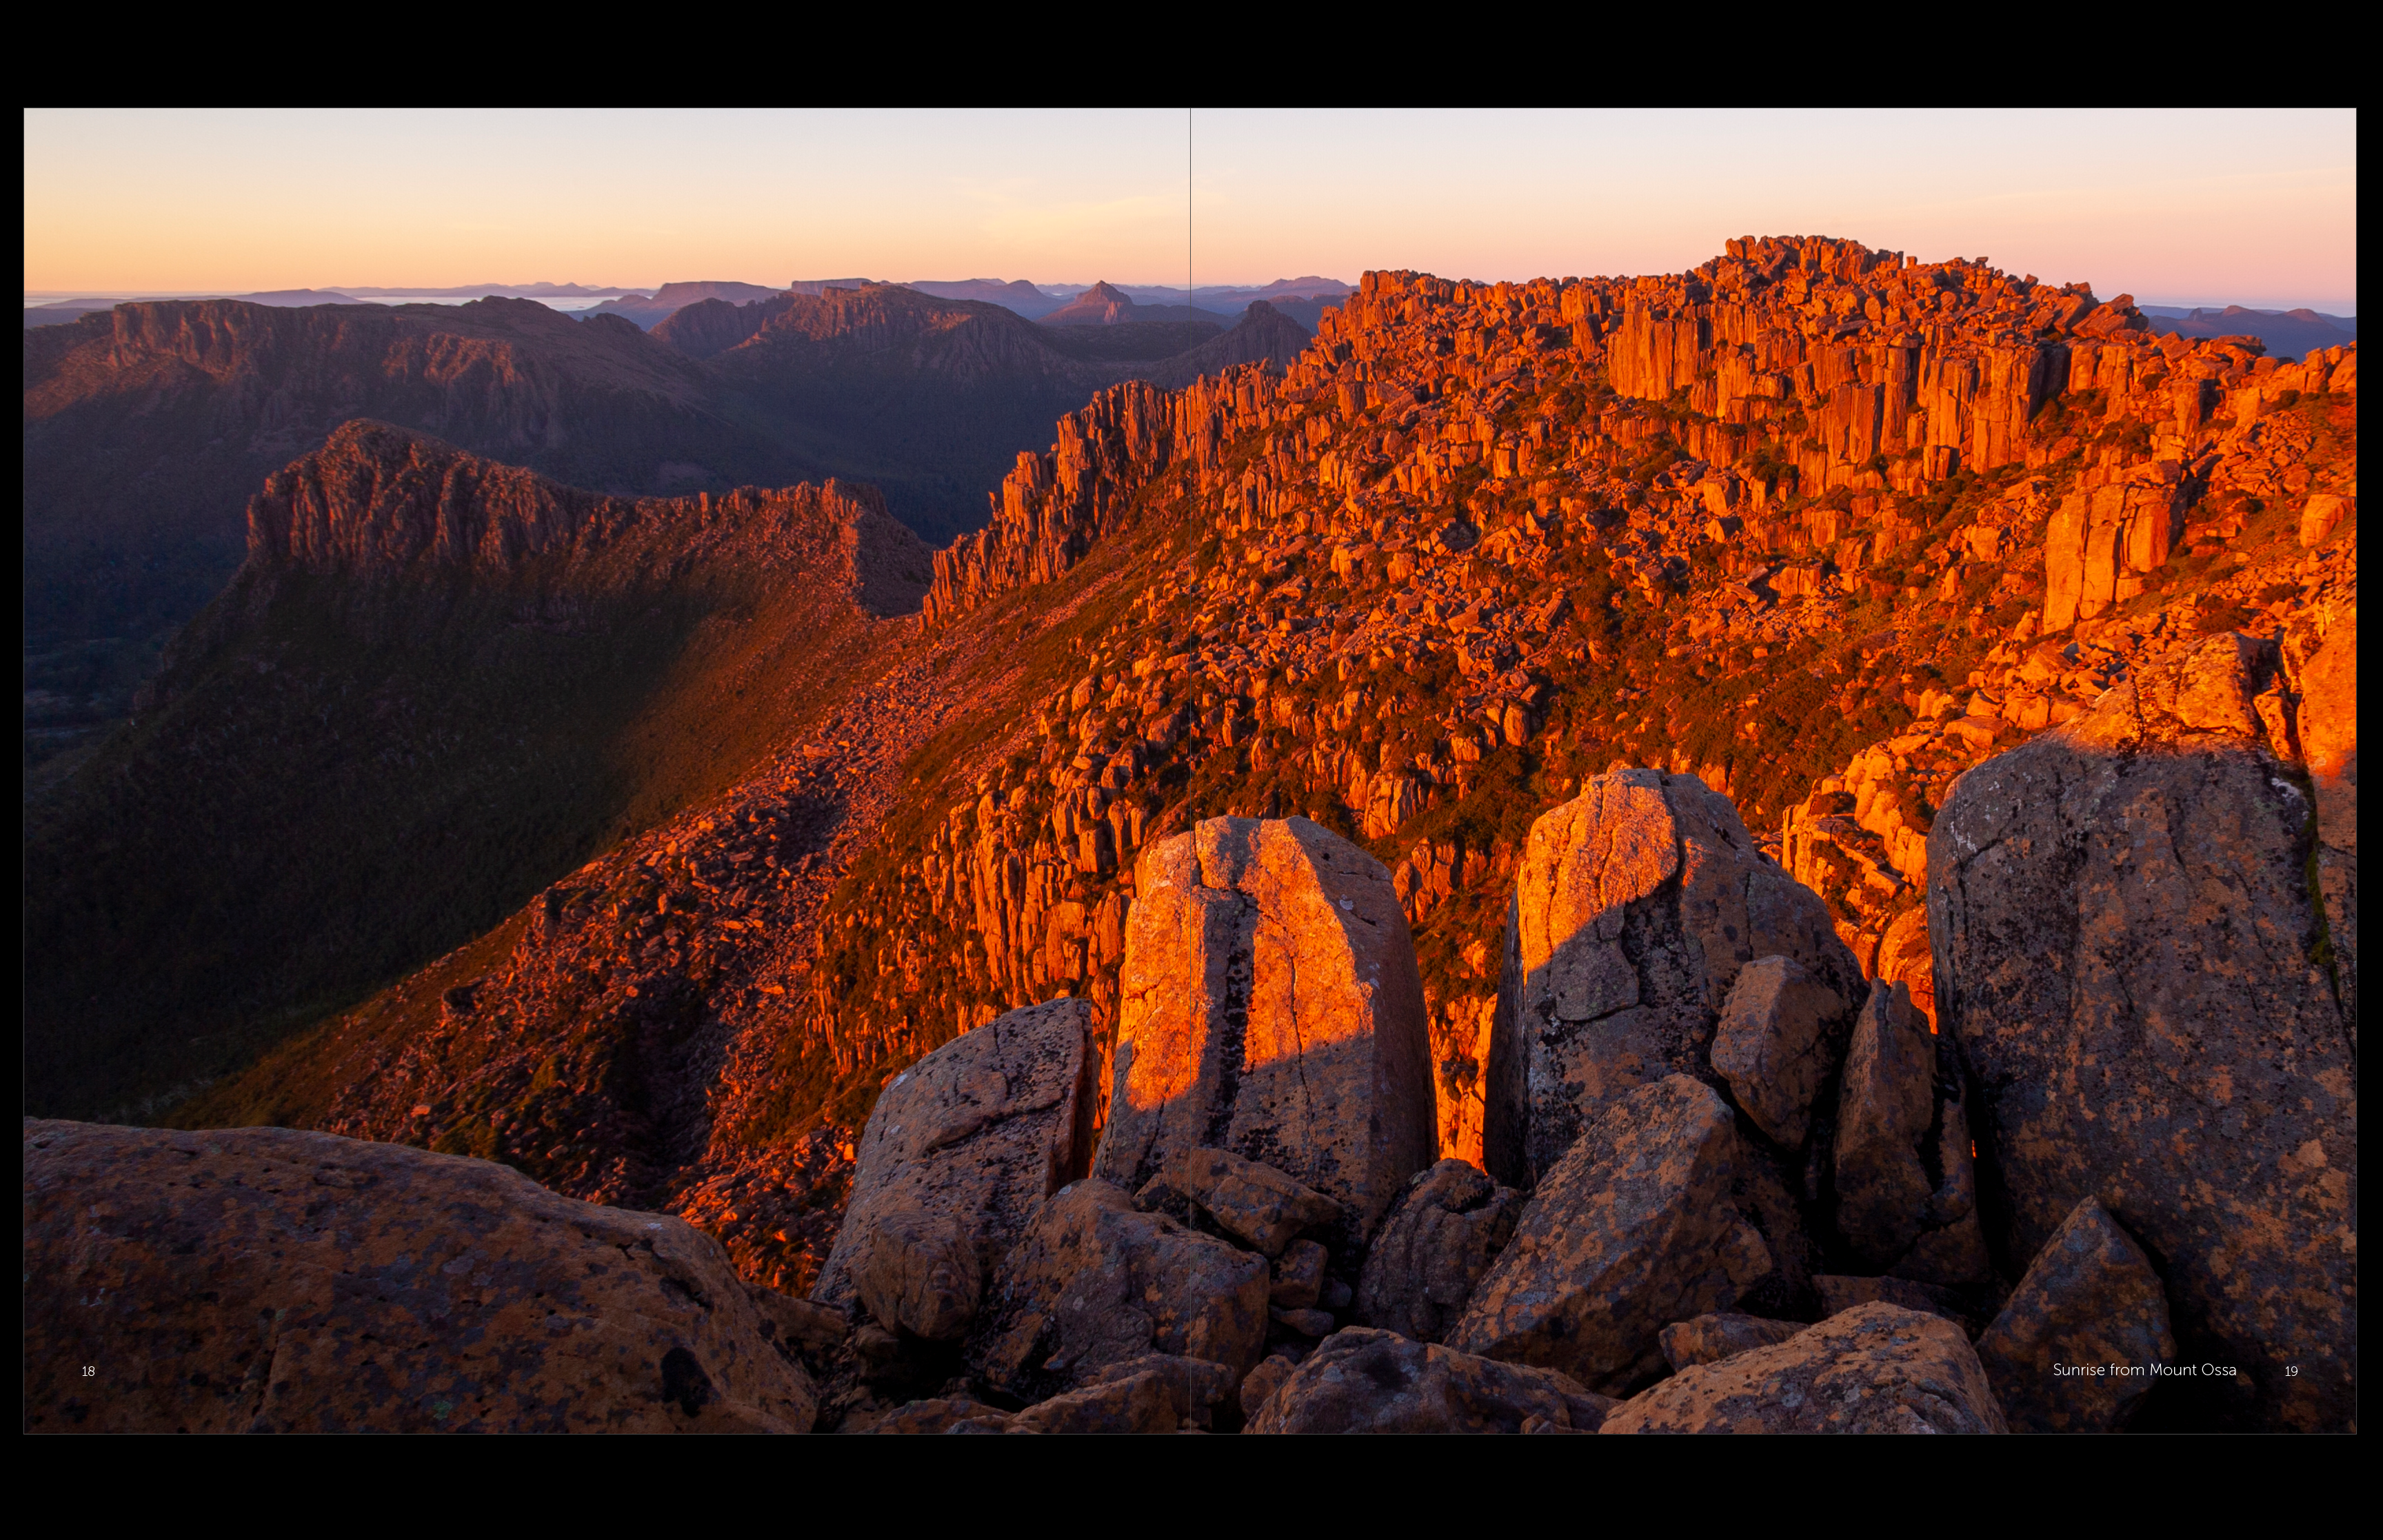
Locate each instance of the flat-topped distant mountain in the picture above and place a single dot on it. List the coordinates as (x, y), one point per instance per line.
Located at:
(2287, 333)
(59, 311)
(295, 298)
(63, 311)
(1015, 295)
(480, 290)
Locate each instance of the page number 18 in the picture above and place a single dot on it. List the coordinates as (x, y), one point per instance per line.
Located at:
(89, 1370)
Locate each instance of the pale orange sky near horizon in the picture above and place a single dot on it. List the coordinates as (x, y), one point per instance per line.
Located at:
(2189, 206)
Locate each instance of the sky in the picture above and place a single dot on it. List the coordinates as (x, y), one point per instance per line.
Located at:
(2176, 207)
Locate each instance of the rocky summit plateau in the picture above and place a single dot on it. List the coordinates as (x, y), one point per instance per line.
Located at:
(1764, 849)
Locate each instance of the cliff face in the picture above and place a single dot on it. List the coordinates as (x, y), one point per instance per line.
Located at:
(377, 502)
(1794, 524)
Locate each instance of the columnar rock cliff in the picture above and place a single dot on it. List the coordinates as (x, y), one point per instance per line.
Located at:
(1796, 532)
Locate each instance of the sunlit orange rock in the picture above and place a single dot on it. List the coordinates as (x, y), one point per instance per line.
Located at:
(1635, 906)
(1270, 1007)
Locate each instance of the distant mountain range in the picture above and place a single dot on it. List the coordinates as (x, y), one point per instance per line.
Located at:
(57, 310)
(648, 310)
(1015, 295)
(2287, 333)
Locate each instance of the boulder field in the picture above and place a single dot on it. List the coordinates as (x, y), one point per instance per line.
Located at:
(1735, 1187)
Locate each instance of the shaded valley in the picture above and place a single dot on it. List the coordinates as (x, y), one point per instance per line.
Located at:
(444, 680)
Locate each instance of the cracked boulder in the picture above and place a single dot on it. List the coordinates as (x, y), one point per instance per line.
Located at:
(1636, 907)
(1360, 1380)
(267, 1280)
(960, 1153)
(1446, 1230)
(1875, 1369)
(1660, 1213)
(2132, 956)
(1270, 1007)
(1096, 1282)
(2089, 1308)
(1906, 1186)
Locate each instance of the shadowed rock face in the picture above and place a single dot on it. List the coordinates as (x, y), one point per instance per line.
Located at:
(1448, 1226)
(2328, 723)
(1095, 1282)
(2090, 1301)
(1271, 1008)
(1364, 1381)
(1660, 1213)
(1875, 1369)
(1777, 1043)
(1906, 1186)
(2129, 953)
(1635, 906)
(968, 1141)
(262, 1280)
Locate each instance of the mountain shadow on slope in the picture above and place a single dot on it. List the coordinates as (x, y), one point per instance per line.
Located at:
(437, 684)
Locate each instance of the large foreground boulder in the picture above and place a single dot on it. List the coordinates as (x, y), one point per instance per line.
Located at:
(1366, 1381)
(1096, 1282)
(1270, 1007)
(1875, 1369)
(1660, 1213)
(1636, 907)
(266, 1280)
(960, 1153)
(2084, 1335)
(2131, 955)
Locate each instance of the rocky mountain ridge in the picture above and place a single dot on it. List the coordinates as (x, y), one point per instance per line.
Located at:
(1813, 530)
